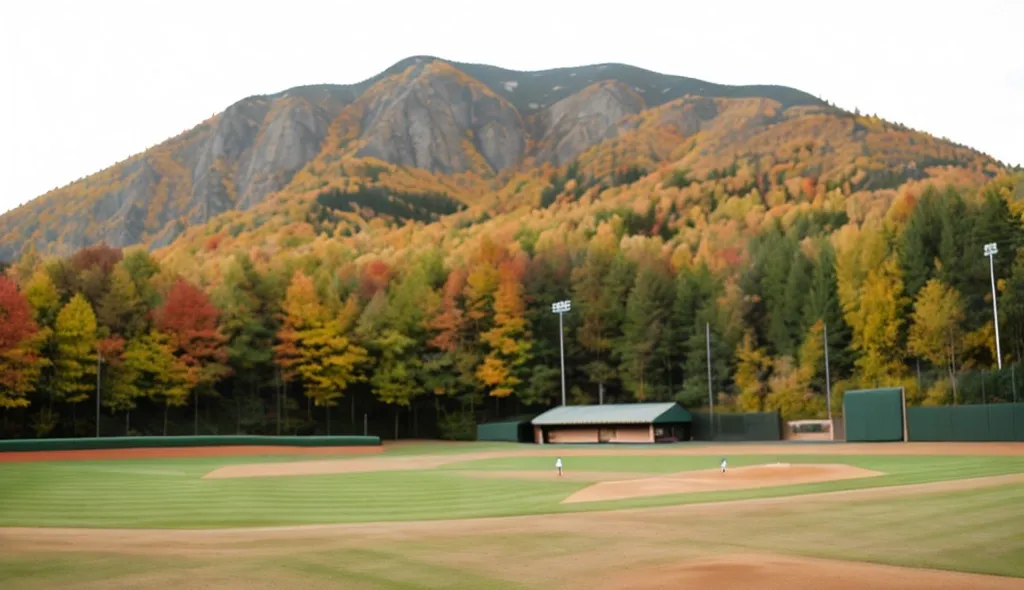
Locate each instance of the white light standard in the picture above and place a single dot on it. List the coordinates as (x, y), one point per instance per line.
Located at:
(99, 369)
(561, 308)
(828, 382)
(990, 251)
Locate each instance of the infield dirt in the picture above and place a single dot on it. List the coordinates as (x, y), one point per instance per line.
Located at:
(713, 480)
(417, 462)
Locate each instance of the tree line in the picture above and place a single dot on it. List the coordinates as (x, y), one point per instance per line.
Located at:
(274, 346)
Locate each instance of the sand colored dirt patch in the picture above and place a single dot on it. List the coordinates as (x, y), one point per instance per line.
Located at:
(293, 468)
(405, 463)
(179, 453)
(553, 475)
(767, 572)
(713, 480)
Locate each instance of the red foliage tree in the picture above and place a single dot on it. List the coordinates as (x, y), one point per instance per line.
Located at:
(19, 359)
(449, 319)
(190, 319)
(100, 256)
(16, 322)
(375, 278)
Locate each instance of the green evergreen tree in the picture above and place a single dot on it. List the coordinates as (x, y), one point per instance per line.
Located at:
(644, 333)
(822, 304)
(798, 285)
(918, 245)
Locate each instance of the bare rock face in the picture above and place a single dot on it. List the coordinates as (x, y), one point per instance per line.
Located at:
(688, 115)
(290, 137)
(213, 187)
(441, 120)
(574, 124)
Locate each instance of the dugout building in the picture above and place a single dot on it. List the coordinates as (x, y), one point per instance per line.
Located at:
(613, 423)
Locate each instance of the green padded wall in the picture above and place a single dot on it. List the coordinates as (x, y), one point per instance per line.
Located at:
(873, 415)
(498, 431)
(753, 426)
(932, 423)
(972, 423)
(763, 425)
(138, 442)
(1000, 422)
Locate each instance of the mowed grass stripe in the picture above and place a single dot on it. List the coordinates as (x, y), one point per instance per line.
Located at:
(330, 498)
(85, 495)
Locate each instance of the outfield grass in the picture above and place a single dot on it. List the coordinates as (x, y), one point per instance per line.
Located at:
(169, 494)
(975, 531)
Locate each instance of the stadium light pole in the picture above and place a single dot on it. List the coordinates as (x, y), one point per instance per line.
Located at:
(711, 396)
(990, 251)
(99, 370)
(561, 308)
(828, 381)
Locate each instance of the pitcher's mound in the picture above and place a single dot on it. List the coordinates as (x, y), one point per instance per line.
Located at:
(712, 480)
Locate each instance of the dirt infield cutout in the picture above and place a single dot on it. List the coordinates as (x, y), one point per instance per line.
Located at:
(415, 462)
(713, 480)
(180, 453)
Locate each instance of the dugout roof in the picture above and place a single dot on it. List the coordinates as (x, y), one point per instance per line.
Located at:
(660, 413)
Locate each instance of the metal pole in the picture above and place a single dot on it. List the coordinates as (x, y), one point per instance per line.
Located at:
(365, 429)
(711, 397)
(1013, 381)
(99, 360)
(919, 388)
(561, 348)
(828, 381)
(990, 251)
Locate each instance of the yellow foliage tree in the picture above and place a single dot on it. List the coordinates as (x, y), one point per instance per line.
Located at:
(316, 346)
(936, 333)
(752, 363)
(509, 339)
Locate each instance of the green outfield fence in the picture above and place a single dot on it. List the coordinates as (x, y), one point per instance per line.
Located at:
(874, 415)
(753, 426)
(880, 415)
(516, 429)
(149, 442)
(992, 422)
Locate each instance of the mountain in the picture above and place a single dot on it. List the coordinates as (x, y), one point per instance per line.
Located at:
(398, 242)
(459, 133)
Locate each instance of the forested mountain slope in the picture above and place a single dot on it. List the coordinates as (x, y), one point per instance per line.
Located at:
(474, 126)
(397, 244)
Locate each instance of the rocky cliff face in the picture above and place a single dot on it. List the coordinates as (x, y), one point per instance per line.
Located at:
(441, 120)
(574, 124)
(422, 113)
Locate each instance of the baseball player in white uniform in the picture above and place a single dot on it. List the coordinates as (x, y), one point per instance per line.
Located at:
(558, 466)
(723, 464)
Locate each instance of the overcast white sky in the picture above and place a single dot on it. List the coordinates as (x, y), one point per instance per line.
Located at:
(87, 83)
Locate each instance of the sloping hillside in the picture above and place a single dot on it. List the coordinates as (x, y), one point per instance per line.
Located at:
(450, 119)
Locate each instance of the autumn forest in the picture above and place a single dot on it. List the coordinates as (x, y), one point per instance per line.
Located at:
(411, 301)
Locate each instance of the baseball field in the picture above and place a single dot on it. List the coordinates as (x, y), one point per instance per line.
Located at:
(475, 515)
